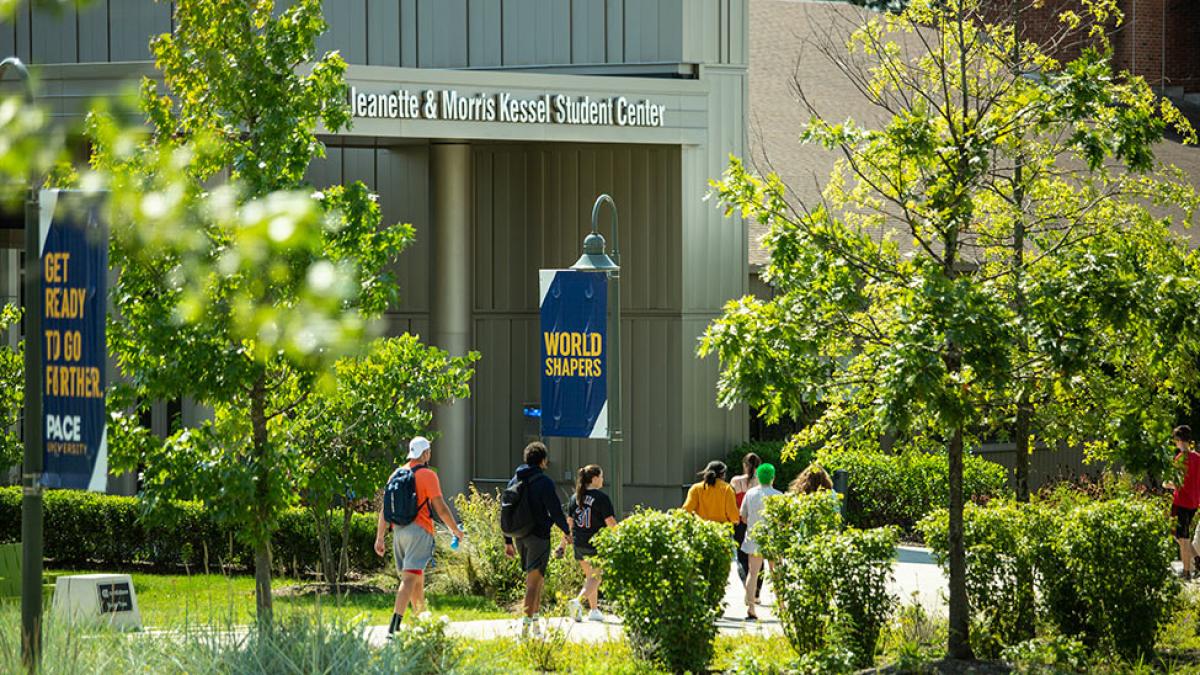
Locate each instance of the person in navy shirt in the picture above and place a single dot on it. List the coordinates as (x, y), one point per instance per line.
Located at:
(590, 511)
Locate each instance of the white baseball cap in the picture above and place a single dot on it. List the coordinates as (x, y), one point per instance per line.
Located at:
(417, 447)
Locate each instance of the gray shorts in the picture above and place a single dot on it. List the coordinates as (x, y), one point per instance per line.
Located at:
(535, 553)
(413, 547)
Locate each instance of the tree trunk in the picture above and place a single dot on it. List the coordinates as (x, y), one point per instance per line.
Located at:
(960, 608)
(323, 514)
(1021, 432)
(262, 548)
(344, 561)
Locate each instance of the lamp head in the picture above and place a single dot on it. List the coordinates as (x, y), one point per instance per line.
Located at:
(594, 258)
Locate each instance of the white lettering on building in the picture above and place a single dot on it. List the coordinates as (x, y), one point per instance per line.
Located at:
(450, 105)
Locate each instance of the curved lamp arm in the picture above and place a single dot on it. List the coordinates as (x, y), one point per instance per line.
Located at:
(602, 199)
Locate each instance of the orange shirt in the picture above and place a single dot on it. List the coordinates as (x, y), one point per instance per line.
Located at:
(428, 487)
(713, 502)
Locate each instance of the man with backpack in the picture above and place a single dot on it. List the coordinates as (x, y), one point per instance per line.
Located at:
(528, 508)
(412, 493)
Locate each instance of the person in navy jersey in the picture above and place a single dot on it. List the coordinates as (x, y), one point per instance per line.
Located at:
(1187, 497)
(589, 512)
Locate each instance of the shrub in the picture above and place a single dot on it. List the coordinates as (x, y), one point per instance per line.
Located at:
(666, 573)
(902, 489)
(1055, 654)
(1100, 570)
(831, 585)
(483, 569)
(1000, 568)
(85, 528)
(771, 451)
(1104, 571)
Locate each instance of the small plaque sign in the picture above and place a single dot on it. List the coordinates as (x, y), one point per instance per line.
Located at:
(115, 598)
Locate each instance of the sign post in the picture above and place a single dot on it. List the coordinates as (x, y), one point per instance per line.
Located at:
(66, 275)
(581, 292)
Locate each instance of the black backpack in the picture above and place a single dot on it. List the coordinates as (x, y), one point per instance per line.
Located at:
(517, 518)
(400, 505)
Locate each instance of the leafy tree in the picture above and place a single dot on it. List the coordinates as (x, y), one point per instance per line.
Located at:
(12, 389)
(929, 343)
(350, 433)
(240, 295)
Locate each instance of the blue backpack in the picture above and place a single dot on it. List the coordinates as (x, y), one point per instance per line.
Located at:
(400, 505)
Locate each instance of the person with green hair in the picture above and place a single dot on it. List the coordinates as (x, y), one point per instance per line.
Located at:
(751, 513)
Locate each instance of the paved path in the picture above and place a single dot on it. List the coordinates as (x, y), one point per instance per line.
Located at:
(916, 580)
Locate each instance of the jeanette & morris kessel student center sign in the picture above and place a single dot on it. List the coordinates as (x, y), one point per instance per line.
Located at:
(506, 107)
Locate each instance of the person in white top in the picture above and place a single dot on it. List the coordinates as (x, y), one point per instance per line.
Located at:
(751, 512)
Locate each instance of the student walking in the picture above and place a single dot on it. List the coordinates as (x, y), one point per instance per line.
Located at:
(412, 492)
(589, 512)
(528, 509)
(1187, 497)
(751, 513)
(740, 485)
(810, 480)
(712, 498)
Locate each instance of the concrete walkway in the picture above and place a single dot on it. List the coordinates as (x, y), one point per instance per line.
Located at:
(916, 580)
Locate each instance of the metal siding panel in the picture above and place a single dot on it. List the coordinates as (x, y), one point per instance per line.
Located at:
(414, 198)
(485, 28)
(634, 27)
(326, 171)
(132, 23)
(493, 428)
(8, 37)
(669, 34)
(554, 24)
(358, 164)
(642, 364)
(383, 32)
(515, 230)
(484, 223)
(738, 37)
(519, 41)
(93, 32)
(504, 191)
(587, 31)
(54, 30)
(347, 30)
(408, 33)
(521, 364)
(614, 32)
(443, 33)
(22, 32)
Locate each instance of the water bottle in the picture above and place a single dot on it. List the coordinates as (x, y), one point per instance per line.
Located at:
(454, 543)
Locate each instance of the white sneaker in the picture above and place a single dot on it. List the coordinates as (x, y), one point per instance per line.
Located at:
(596, 615)
(575, 607)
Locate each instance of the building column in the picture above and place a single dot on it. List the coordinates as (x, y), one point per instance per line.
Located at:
(453, 197)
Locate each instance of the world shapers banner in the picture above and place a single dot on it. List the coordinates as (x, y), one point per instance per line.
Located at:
(574, 353)
(74, 265)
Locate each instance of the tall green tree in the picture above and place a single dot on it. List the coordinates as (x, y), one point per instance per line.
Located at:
(352, 433)
(928, 342)
(239, 295)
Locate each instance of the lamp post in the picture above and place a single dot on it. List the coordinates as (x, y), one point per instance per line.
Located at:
(31, 470)
(594, 259)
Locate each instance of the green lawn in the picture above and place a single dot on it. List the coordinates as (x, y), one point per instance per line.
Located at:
(176, 599)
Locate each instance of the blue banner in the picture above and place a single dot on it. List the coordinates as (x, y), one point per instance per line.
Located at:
(574, 351)
(74, 263)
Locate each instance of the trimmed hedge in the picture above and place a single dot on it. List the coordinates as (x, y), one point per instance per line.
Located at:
(902, 489)
(84, 528)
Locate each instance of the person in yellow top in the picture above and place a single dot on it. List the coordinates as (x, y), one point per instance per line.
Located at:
(712, 498)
